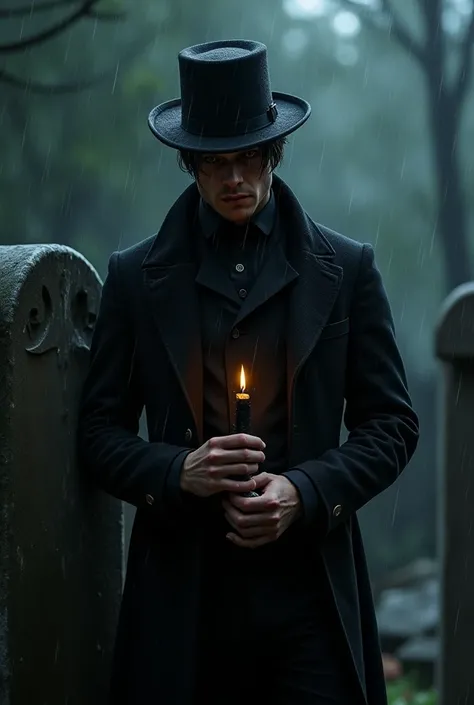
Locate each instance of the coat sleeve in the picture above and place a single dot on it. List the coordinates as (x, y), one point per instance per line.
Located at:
(109, 449)
(383, 428)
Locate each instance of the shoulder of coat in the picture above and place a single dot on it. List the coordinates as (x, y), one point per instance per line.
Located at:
(347, 250)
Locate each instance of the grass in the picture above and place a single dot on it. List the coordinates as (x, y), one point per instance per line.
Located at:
(403, 692)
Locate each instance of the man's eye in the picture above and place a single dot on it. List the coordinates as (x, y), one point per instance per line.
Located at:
(251, 154)
(209, 159)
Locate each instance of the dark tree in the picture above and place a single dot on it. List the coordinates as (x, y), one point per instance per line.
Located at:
(445, 102)
(75, 11)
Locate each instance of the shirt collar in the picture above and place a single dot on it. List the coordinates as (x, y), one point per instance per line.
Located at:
(210, 220)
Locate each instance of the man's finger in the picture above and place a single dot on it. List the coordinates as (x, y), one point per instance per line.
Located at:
(250, 532)
(264, 523)
(245, 521)
(237, 440)
(241, 468)
(234, 486)
(254, 505)
(248, 543)
(237, 456)
(263, 479)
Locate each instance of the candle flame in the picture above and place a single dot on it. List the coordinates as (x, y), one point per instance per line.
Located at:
(242, 379)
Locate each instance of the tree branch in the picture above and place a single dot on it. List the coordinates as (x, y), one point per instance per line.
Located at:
(396, 27)
(465, 69)
(34, 9)
(75, 86)
(53, 31)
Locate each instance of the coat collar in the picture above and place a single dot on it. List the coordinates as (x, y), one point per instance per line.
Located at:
(173, 242)
(264, 220)
(170, 269)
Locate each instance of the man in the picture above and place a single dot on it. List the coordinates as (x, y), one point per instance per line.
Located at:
(236, 596)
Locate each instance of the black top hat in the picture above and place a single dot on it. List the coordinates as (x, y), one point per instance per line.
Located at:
(226, 101)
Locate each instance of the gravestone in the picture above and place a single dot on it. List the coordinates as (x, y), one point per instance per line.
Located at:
(455, 348)
(61, 541)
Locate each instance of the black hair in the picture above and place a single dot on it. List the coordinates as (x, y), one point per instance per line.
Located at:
(271, 152)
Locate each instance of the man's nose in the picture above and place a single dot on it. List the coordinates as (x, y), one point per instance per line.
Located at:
(232, 176)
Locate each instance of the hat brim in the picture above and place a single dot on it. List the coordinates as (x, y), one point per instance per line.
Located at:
(165, 123)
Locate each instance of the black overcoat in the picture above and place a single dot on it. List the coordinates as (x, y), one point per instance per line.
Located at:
(343, 364)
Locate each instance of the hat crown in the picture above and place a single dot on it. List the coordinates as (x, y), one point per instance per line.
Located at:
(225, 88)
(225, 52)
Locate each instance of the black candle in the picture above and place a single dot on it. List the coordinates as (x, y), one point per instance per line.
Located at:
(243, 417)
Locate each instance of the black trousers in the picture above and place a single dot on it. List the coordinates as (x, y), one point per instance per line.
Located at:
(272, 638)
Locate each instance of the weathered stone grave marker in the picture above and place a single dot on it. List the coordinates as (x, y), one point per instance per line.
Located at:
(61, 542)
(455, 348)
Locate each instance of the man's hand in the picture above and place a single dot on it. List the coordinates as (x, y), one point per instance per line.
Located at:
(209, 469)
(261, 520)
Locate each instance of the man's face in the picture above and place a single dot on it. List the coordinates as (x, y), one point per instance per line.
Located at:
(234, 184)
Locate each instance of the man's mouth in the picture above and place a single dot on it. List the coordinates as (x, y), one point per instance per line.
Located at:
(236, 197)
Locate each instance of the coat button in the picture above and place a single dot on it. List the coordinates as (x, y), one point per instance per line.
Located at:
(337, 510)
(149, 499)
(188, 435)
(235, 333)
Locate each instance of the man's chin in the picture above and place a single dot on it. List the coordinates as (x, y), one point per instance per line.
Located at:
(238, 212)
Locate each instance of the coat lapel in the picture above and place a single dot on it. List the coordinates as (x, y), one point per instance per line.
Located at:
(316, 288)
(214, 277)
(311, 302)
(169, 272)
(277, 273)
